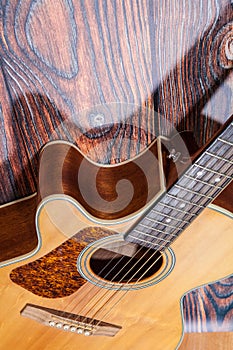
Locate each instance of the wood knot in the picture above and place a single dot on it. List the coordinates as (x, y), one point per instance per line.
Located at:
(225, 49)
(229, 49)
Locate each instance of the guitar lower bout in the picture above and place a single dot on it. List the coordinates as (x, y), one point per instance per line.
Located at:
(115, 264)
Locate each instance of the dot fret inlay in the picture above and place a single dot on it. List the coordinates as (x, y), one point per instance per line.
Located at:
(194, 190)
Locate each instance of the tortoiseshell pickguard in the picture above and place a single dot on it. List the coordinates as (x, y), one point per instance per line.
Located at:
(55, 275)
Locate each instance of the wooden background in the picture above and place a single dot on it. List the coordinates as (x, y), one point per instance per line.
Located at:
(60, 58)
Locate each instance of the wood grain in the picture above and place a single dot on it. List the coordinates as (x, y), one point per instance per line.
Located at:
(17, 226)
(210, 312)
(160, 54)
(207, 341)
(106, 193)
(115, 52)
(153, 311)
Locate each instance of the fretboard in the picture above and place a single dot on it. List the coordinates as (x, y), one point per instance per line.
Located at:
(194, 190)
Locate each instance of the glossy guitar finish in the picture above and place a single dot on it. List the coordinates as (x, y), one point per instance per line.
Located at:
(142, 324)
(117, 308)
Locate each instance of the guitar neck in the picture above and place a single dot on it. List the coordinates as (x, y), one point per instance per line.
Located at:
(185, 200)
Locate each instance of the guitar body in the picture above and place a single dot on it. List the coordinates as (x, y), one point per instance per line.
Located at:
(150, 318)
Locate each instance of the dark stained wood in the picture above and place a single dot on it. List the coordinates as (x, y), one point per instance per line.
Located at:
(114, 52)
(224, 200)
(105, 192)
(17, 226)
(206, 309)
(161, 54)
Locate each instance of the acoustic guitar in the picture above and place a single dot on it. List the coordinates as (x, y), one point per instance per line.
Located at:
(111, 273)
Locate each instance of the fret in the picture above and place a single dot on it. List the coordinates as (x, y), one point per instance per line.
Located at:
(146, 243)
(161, 226)
(219, 149)
(183, 200)
(200, 188)
(191, 191)
(228, 132)
(212, 171)
(186, 183)
(210, 188)
(150, 241)
(160, 222)
(222, 149)
(167, 216)
(203, 182)
(158, 230)
(198, 173)
(194, 190)
(152, 236)
(225, 141)
(215, 180)
(175, 209)
(218, 157)
(214, 163)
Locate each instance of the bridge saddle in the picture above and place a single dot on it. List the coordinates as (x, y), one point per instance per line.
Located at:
(69, 322)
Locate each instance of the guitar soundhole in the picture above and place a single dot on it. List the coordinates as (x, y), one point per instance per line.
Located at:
(113, 263)
(119, 268)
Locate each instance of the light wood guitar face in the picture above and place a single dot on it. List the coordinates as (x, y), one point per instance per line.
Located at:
(140, 323)
(96, 255)
(66, 291)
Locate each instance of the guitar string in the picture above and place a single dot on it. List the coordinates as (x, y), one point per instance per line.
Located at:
(153, 236)
(110, 283)
(95, 284)
(137, 252)
(141, 277)
(160, 67)
(116, 293)
(134, 255)
(164, 243)
(118, 262)
(164, 111)
(140, 248)
(169, 242)
(194, 179)
(131, 279)
(112, 280)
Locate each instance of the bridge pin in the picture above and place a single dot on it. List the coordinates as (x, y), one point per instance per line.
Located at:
(59, 325)
(66, 327)
(79, 331)
(52, 323)
(73, 329)
(87, 333)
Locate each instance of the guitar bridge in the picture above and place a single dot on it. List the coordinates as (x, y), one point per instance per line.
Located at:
(69, 322)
